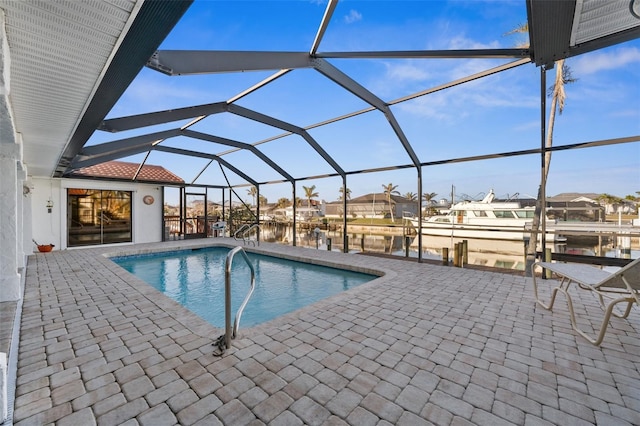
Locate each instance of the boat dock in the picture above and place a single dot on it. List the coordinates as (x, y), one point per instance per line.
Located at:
(590, 228)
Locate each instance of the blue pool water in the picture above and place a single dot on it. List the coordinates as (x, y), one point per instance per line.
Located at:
(195, 279)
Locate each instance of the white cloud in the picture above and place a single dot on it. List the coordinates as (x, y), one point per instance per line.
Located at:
(462, 42)
(405, 72)
(432, 106)
(528, 126)
(353, 16)
(603, 61)
(626, 113)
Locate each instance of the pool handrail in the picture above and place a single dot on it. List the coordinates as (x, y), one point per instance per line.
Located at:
(246, 237)
(241, 229)
(229, 333)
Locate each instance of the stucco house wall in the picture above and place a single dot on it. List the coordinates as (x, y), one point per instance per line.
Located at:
(51, 228)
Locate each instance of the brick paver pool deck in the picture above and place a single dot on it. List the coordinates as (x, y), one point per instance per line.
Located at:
(424, 344)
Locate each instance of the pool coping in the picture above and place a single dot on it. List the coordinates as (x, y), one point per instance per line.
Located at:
(200, 326)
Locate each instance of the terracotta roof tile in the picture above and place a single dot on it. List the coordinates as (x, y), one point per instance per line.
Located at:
(125, 170)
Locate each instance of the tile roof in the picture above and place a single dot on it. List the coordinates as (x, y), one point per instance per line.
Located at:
(380, 197)
(126, 171)
(572, 196)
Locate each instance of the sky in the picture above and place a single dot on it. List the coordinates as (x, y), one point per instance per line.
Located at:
(495, 114)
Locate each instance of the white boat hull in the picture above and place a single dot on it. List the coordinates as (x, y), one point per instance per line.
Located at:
(506, 232)
(487, 220)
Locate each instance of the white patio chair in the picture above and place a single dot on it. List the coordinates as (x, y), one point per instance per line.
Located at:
(610, 289)
(219, 227)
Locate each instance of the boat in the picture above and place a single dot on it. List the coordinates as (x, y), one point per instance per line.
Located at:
(486, 219)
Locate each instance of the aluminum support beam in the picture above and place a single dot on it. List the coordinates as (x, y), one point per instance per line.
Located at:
(140, 166)
(241, 145)
(191, 62)
(543, 164)
(549, 25)
(462, 80)
(340, 78)
(109, 151)
(264, 119)
(407, 98)
(345, 234)
(129, 143)
(80, 162)
(324, 24)
(430, 54)
(160, 117)
(258, 85)
(190, 153)
(354, 87)
(401, 136)
(201, 172)
(274, 122)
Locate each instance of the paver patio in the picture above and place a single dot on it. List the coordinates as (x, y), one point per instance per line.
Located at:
(424, 344)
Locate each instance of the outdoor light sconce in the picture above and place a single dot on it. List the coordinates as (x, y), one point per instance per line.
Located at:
(635, 8)
(49, 205)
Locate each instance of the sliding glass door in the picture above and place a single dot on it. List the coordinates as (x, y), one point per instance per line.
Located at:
(98, 217)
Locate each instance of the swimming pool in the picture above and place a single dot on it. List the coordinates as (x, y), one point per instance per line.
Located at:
(195, 279)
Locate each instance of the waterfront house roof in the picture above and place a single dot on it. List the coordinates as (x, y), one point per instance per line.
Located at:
(122, 170)
(379, 197)
(591, 197)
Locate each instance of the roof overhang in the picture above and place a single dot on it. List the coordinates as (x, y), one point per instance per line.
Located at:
(68, 64)
(562, 29)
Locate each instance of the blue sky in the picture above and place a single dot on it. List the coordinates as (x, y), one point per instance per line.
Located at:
(495, 114)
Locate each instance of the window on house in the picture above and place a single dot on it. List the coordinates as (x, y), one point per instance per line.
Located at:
(97, 216)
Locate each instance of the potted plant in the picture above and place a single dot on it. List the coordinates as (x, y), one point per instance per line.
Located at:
(43, 248)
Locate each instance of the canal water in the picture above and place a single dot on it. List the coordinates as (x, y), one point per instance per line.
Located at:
(393, 240)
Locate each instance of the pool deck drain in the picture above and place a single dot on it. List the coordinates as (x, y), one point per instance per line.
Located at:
(424, 344)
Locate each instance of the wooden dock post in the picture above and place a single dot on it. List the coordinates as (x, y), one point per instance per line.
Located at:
(407, 242)
(456, 254)
(445, 256)
(465, 252)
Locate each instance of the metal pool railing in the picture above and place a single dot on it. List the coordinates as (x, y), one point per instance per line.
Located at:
(244, 232)
(224, 341)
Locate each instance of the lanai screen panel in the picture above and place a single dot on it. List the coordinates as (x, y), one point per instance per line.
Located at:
(303, 97)
(363, 142)
(250, 164)
(472, 180)
(595, 170)
(604, 101)
(419, 25)
(235, 128)
(184, 166)
(297, 157)
(495, 114)
(405, 180)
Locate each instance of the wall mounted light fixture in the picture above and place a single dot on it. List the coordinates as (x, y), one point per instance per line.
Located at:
(635, 8)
